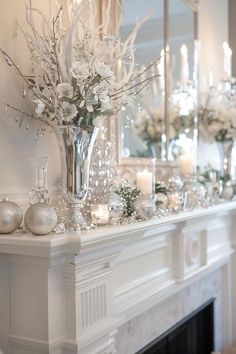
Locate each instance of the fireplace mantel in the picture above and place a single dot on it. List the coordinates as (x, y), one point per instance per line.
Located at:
(68, 294)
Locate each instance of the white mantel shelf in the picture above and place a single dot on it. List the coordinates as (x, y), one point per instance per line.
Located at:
(71, 293)
(24, 244)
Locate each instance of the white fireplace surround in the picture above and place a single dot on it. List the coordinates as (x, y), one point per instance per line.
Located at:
(115, 289)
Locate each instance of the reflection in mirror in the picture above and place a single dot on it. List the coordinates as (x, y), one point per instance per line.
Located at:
(142, 127)
(183, 79)
(136, 135)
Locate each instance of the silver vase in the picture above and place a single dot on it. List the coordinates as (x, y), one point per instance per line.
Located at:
(76, 143)
(225, 150)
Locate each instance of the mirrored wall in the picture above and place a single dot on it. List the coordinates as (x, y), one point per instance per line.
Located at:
(169, 33)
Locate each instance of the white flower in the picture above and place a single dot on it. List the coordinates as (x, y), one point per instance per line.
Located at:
(68, 111)
(64, 90)
(106, 105)
(80, 71)
(103, 70)
(39, 107)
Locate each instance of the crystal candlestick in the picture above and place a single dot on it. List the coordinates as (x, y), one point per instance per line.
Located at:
(39, 192)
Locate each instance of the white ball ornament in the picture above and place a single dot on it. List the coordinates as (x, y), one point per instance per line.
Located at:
(40, 219)
(10, 217)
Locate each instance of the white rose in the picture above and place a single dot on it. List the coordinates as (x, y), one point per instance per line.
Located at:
(69, 111)
(103, 70)
(80, 71)
(64, 90)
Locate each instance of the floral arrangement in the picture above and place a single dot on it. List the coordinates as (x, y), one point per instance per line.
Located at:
(150, 125)
(217, 124)
(74, 80)
(217, 116)
(183, 104)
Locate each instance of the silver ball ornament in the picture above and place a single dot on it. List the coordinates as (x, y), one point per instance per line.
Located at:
(40, 219)
(10, 217)
(116, 207)
(145, 206)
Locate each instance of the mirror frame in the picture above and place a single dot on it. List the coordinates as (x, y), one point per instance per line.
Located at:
(114, 128)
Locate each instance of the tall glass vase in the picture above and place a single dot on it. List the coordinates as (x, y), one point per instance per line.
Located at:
(225, 149)
(76, 144)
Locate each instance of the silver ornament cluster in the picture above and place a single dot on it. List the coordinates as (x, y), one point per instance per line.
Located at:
(40, 219)
(10, 217)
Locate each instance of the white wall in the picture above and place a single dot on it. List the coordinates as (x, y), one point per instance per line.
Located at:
(16, 144)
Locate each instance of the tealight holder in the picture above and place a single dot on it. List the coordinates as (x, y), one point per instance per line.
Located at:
(39, 192)
(174, 195)
(193, 193)
(99, 214)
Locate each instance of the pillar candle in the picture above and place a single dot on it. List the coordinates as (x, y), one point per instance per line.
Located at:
(186, 164)
(144, 181)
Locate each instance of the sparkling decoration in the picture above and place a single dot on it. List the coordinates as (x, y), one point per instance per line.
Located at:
(99, 214)
(40, 219)
(194, 193)
(145, 206)
(161, 200)
(174, 194)
(10, 217)
(116, 208)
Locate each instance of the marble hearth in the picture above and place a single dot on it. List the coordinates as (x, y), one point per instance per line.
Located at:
(115, 289)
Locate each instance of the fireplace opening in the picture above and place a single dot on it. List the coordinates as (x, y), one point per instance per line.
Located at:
(193, 335)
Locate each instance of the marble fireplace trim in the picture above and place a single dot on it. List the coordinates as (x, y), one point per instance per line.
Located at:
(76, 293)
(147, 326)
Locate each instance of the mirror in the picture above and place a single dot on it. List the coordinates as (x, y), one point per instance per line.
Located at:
(148, 46)
(170, 25)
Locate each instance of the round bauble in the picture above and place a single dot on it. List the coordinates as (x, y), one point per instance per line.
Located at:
(40, 219)
(116, 207)
(10, 217)
(228, 191)
(145, 206)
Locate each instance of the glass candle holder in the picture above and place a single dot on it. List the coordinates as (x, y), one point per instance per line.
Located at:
(39, 192)
(194, 193)
(99, 214)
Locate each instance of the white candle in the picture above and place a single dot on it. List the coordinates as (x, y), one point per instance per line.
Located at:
(184, 72)
(186, 164)
(227, 61)
(144, 181)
